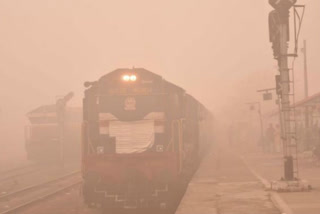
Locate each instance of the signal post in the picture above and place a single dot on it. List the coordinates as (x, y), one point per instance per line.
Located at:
(60, 109)
(280, 36)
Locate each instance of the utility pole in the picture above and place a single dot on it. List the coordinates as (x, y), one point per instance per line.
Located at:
(306, 86)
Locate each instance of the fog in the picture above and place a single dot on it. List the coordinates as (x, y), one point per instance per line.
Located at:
(217, 50)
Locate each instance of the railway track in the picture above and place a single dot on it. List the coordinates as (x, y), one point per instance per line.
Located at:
(17, 172)
(18, 200)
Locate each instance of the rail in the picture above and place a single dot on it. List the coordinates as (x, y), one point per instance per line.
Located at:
(46, 190)
(18, 171)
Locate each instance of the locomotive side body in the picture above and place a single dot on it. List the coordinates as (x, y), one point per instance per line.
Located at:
(140, 140)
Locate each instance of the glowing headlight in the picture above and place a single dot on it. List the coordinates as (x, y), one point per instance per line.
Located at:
(126, 78)
(133, 77)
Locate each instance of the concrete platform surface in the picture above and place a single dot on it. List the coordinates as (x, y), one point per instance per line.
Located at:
(270, 168)
(224, 185)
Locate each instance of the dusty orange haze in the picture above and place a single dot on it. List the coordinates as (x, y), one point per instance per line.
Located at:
(217, 50)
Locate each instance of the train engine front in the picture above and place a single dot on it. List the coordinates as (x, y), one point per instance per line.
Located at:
(133, 152)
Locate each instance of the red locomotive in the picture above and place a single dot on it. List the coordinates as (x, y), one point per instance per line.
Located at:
(142, 138)
(54, 132)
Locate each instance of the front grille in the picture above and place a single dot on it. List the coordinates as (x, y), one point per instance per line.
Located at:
(132, 197)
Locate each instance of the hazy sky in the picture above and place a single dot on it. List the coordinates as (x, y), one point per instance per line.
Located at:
(217, 50)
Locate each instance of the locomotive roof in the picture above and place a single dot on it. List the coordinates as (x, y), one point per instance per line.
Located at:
(143, 72)
(43, 109)
(52, 108)
(140, 71)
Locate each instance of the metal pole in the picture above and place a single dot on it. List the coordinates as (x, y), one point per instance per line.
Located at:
(285, 101)
(61, 133)
(62, 142)
(306, 87)
(60, 109)
(306, 91)
(261, 123)
(280, 119)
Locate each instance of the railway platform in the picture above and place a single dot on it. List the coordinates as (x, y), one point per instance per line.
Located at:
(223, 184)
(269, 167)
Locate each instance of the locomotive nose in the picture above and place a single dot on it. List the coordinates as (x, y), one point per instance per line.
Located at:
(135, 176)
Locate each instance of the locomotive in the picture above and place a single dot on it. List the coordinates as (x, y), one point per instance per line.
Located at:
(54, 132)
(142, 139)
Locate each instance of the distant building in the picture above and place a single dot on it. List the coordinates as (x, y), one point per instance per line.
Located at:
(307, 115)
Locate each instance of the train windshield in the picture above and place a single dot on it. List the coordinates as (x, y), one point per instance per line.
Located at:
(130, 124)
(132, 137)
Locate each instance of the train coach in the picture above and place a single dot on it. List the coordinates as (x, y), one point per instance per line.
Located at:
(143, 138)
(53, 133)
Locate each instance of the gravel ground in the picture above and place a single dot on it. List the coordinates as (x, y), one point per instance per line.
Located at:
(69, 202)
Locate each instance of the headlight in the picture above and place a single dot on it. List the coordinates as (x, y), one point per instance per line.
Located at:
(133, 78)
(126, 78)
